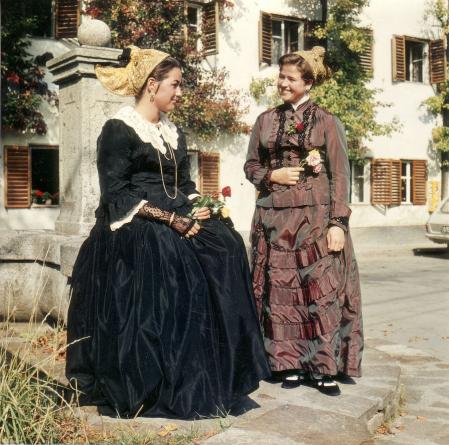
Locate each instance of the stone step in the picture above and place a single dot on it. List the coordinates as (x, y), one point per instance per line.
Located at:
(270, 415)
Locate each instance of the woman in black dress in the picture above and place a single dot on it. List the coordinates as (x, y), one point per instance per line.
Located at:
(162, 319)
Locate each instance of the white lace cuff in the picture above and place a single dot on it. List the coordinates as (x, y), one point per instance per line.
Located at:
(193, 196)
(127, 219)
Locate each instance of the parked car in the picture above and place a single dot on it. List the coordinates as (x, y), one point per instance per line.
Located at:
(437, 226)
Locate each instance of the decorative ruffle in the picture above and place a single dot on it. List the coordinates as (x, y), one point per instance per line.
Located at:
(328, 321)
(154, 134)
(129, 216)
(309, 293)
(291, 259)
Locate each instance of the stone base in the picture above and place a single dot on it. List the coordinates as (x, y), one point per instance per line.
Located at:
(34, 270)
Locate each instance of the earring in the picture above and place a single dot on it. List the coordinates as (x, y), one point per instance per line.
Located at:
(151, 97)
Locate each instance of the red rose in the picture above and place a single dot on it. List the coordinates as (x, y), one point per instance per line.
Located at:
(299, 126)
(226, 191)
(39, 193)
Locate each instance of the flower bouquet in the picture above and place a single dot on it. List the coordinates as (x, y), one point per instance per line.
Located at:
(217, 206)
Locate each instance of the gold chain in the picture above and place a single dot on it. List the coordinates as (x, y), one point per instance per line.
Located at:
(172, 153)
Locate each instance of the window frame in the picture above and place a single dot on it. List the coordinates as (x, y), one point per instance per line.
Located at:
(364, 185)
(283, 19)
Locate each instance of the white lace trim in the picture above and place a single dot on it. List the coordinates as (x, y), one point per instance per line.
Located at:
(129, 216)
(154, 134)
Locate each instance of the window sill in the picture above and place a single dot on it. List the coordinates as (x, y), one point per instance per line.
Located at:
(39, 206)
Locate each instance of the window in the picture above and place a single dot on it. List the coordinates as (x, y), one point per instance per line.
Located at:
(31, 175)
(285, 37)
(395, 182)
(202, 22)
(410, 61)
(406, 181)
(193, 28)
(414, 61)
(45, 174)
(279, 35)
(357, 184)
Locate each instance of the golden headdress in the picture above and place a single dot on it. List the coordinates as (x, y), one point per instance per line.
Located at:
(128, 80)
(315, 58)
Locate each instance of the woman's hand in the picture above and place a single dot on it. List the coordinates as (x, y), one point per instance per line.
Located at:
(335, 239)
(202, 213)
(184, 225)
(286, 175)
(193, 230)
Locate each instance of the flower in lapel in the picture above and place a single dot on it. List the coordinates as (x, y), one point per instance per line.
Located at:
(295, 127)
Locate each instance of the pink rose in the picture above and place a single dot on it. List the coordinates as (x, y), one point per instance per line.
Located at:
(313, 160)
(317, 168)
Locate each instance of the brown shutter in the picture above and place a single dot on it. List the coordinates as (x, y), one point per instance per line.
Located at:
(209, 28)
(437, 61)
(386, 182)
(398, 58)
(67, 18)
(366, 57)
(309, 34)
(209, 172)
(419, 182)
(17, 170)
(265, 38)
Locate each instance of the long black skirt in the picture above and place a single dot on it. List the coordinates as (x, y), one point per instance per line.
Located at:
(161, 325)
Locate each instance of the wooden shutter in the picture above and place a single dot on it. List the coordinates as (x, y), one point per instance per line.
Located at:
(209, 172)
(309, 34)
(419, 182)
(386, 182)
(398, 58)
(17, 168)
(67, 18)
(437, 61)
(366, 57)
(265, 38)
(209, 28)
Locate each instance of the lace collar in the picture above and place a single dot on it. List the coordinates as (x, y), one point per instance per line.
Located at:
(154, 134)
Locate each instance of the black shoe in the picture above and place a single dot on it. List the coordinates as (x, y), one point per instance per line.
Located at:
(327, 385)
(291, 381)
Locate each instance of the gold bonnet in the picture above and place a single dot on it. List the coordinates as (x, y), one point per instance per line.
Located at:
(129, 80)
(315, 58)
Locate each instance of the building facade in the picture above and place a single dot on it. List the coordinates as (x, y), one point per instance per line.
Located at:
(397, 186)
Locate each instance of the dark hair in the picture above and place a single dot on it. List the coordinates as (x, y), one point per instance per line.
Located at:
(160, 72)
(301, 65)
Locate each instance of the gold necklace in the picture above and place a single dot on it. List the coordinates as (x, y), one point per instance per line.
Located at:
(172, 153)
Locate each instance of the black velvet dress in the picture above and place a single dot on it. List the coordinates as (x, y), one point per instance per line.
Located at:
(158, 324)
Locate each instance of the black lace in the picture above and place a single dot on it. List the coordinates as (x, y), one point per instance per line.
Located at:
(182, 224)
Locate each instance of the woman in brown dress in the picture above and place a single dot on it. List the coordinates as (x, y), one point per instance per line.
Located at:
(305, 275)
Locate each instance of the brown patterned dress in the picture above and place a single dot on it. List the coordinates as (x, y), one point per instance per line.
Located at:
(308, 298)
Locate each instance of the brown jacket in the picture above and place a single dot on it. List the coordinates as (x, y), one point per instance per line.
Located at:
(330, 186)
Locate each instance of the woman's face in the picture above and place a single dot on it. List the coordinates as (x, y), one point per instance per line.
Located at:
(291, 86)
(168, 91)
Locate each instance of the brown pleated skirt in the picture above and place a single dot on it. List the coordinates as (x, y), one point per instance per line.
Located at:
(308, 299)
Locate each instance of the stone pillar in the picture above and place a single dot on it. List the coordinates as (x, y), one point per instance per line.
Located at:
(84, 106)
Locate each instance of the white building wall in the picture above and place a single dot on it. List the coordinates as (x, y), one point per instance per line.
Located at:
(42, 218)
(239, 55)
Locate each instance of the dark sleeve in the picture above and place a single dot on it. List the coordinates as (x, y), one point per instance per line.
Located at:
(255, 171)
(339, 171)
(115, 170)
(185, 184)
